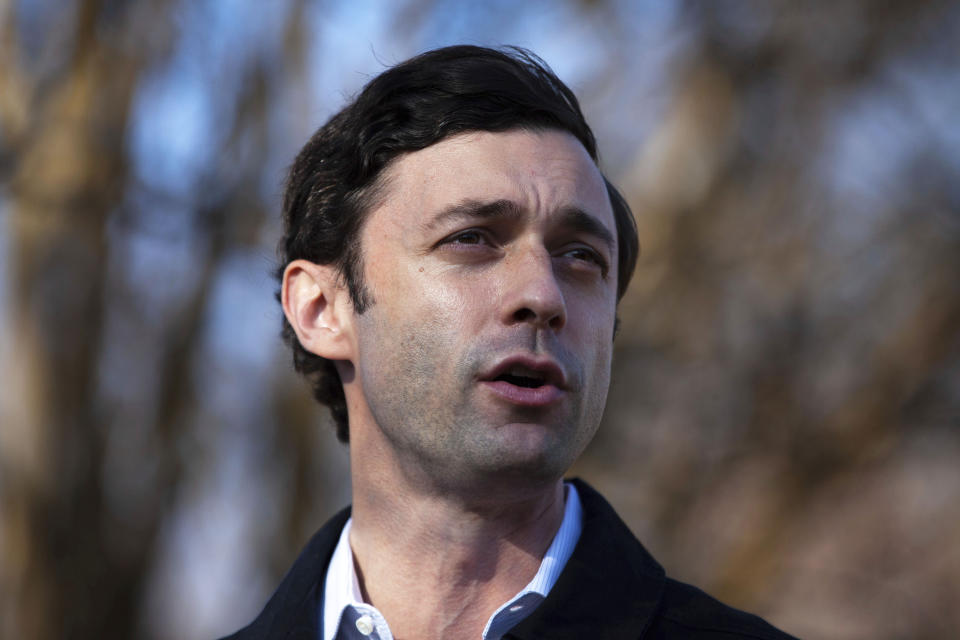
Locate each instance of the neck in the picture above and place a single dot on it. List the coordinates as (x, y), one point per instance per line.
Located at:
(438, 564)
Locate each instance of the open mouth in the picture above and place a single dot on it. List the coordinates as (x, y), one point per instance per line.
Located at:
(528, 381)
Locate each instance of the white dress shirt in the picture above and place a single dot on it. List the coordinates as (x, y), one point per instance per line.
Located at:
(347, 617)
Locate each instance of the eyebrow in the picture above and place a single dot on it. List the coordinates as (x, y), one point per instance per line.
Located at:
(472, 209)
(573, 218)
(579, 220)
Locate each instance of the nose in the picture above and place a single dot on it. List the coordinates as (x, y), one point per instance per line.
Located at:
(532, 294)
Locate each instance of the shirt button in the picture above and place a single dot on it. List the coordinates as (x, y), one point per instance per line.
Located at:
(365, 625)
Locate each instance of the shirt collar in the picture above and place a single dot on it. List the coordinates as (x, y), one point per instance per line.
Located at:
(554, 560)
(342, 589)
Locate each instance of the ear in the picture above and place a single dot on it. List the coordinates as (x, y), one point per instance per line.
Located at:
(318, 307)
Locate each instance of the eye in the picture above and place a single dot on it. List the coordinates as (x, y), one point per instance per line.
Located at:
(581, 254)
(472, 245)
(470, 236)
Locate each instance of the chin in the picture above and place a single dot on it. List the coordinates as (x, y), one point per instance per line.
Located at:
(529, 453)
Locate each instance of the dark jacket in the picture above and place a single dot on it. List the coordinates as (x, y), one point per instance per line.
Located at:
(611, 588)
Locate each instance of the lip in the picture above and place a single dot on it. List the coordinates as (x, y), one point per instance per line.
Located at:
(552, 390)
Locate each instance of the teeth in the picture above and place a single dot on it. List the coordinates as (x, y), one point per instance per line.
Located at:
(525, 372)
(522, 376)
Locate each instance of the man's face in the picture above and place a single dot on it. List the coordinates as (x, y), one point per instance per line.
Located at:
(491, 263)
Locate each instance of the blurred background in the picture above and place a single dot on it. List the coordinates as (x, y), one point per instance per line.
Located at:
(784, 423)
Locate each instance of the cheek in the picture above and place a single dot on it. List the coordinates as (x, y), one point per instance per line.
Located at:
(598, 350)
(414, 305)
(594, 319)
(602, 360)
(455, 302)
(595, 344)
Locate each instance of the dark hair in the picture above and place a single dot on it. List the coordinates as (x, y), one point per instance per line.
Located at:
(413, 105)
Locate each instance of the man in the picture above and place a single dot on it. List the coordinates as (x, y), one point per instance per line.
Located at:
(452, 264)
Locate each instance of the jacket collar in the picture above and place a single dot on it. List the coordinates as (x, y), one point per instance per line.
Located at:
(293, 612)
(610, 588)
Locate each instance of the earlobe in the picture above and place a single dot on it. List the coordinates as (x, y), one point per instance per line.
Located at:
(317, 307)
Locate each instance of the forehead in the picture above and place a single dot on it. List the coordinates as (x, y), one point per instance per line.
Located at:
(543, 172)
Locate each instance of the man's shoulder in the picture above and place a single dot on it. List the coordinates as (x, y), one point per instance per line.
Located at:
(688, 612)
(292, 611)
(609, 572)
(614, 568)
